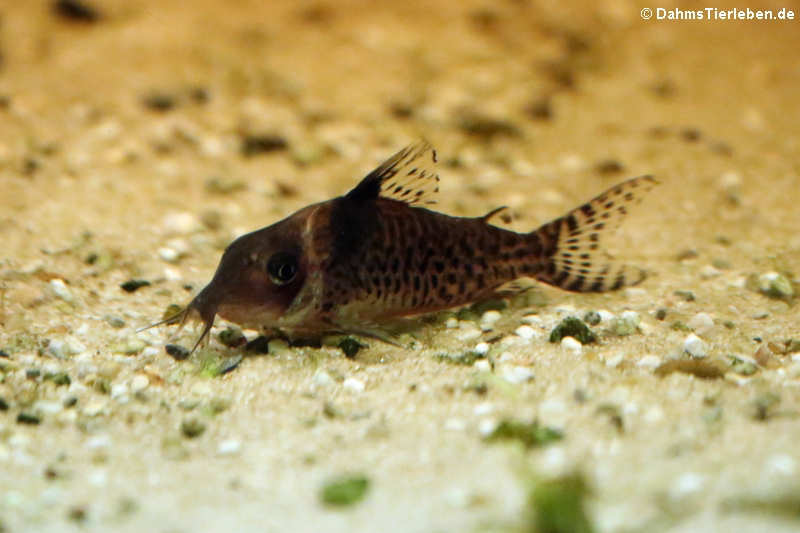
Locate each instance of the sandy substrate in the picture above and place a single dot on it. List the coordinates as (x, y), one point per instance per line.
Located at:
(124, 155)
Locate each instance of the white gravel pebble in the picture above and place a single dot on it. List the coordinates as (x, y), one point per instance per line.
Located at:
(118, 390)
(168, 254)
(730, 180)
(709, 272)
(97, 477)
(780, 464)
(554, 461)
(94, 408)
(775, 285)
(61, 290)
(486, 427)
(686, 485)
(212, 146)
(181, 246)
(517, 374)
(694, 346)
(321, 378)
(468, 332)
(614, 360)
(635, 293)
(139, 383)
(649, 361)
(18, 440)
(482, 365)
(654, 415)
(632, 316)
(605, 315)
(150, 351)
(98, 441)
(458, 497)
(451, 322)
(353, 385)
(47, 407)
(51, 368)
(172, 274)
(482, 348)
(483, 408)
(455, 424)
(534, 320)
(174, 250)
(525, 332)
(572, 345)
(489, 318)
(504, 357)
(229, 447)
(202, 389)
(61, 349)
(181, 223)
(736, 379)
(701, 323)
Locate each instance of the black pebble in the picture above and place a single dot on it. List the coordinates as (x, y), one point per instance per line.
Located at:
(159, 102)
(133, 285)
(609, 166)
(540, 109)
(30, 166)
(178, 352)
(350, 347)
(486, 127)
(76, 11)
(690, 135)
(199, 95)
(3, 404)
(3, 353)
(664, 89)
(401, 110)
(261, 144)
(258, 345)
(28, 418)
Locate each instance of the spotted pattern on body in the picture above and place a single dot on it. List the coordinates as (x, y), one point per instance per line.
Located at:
(374, 254)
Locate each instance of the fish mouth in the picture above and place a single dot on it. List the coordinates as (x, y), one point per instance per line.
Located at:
(201, 308)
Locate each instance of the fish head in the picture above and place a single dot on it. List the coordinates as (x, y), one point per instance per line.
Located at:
(258, 277)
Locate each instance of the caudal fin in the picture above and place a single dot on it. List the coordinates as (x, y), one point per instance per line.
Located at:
(576, 260)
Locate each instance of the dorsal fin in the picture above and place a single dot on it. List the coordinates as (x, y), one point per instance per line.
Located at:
(408, 176)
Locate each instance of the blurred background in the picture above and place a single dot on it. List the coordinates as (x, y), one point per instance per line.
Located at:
(137, 138)
(532, 104)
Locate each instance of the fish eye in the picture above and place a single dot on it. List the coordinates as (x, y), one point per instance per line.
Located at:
(282, 268)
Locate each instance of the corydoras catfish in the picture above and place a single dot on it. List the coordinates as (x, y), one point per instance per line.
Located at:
(375, 254)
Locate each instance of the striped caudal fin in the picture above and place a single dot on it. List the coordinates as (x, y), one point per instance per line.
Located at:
(576, 260)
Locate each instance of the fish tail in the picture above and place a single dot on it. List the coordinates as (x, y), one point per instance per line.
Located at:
(572, 256)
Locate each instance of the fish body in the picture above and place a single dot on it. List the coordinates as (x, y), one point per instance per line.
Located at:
(377, 253)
